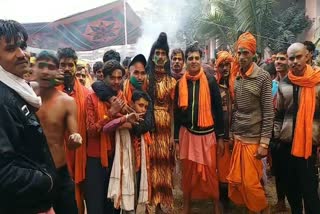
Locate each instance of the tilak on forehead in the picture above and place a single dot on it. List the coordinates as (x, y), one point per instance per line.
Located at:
(247, 41)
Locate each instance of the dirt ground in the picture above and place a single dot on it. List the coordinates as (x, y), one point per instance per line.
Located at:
(206, 207)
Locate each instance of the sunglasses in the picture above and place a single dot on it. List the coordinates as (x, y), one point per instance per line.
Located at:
(43, 65)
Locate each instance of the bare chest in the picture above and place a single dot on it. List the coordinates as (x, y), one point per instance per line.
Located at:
(52, 114)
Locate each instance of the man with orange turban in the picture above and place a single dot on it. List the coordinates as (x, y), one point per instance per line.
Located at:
(252, 128)
(223, 65)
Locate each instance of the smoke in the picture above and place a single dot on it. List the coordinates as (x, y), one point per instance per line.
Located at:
(162, 16)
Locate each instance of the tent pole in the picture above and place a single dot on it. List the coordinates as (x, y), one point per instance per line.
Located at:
(125, 23)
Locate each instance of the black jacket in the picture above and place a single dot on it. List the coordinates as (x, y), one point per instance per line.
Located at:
(189, 117)
(27, 171)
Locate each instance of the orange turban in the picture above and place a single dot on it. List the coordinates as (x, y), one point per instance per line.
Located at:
(223, 56)
(247, 41)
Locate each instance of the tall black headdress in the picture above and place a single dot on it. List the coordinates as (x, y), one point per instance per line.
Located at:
(160, 43)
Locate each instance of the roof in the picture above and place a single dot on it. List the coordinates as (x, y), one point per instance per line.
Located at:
(89, 30)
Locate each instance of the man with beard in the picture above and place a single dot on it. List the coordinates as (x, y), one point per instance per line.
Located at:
(103, 104)
(58, 116)
(223, 65)
(297, 130)
(161, 90)
(76, 159)
(97, 70)
(27, 171)
(177, 63)
(252, 124)
(198, 120)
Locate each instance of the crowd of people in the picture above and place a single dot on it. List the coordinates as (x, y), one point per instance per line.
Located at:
(74, 140)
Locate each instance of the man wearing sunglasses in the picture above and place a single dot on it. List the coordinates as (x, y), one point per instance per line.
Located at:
(58, 116)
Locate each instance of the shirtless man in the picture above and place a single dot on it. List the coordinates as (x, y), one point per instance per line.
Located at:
(58, 116)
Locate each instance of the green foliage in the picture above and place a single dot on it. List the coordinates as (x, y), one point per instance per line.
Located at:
(272, 30)
(289, 24)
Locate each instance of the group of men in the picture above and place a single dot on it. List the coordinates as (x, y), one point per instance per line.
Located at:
(113, 145)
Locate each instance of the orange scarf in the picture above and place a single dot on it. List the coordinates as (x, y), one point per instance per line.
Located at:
(234, 73)
(302, 141)
(205, 118)
(105, 141)
(77, 159)
(128, 89)
(81, 153)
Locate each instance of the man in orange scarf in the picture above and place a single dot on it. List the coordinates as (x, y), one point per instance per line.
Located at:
(252, 128)
(103, 105)
(76, 159)
(297, 126)
(223, 65)
(198, 121)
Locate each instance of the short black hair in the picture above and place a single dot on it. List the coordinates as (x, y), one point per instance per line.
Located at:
(67, 53)
(282, 51)
(97, 66)
(48, 56)
(177, 51)
(137, 94)
(13, 30)
(110, 66)
(270, 68)
(193, 48)
(126, 62)
(111, 54)
(310, 46)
